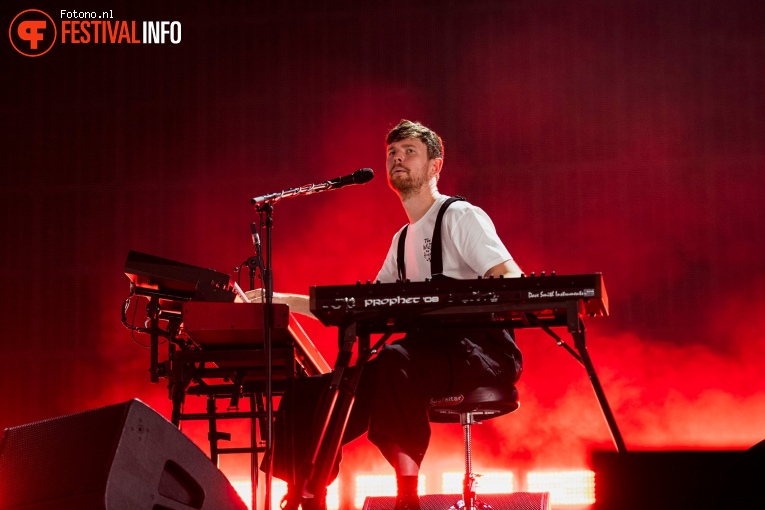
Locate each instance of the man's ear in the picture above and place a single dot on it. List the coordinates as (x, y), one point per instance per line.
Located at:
(435, 169)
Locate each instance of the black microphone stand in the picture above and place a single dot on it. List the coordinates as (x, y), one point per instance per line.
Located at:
(265, 265)
(255, 265)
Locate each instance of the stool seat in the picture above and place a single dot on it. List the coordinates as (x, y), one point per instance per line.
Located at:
(483, 402)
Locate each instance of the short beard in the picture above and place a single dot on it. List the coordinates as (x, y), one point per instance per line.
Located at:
(408, 188)
(408, 192)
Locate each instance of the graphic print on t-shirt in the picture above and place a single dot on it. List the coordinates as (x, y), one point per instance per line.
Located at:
(426, 248)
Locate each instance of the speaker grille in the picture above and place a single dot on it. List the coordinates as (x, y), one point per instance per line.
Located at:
(32, 456)
(511, 501)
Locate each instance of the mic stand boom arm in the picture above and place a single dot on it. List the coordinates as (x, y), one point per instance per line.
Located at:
(306, 189)
(360, 176)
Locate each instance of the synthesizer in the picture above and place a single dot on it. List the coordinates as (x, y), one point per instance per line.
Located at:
(483, 300)
(170, 279)
(215, 326)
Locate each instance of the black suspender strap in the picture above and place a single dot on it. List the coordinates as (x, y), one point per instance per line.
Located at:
(436, 251)
(400, 257)
(436, 255)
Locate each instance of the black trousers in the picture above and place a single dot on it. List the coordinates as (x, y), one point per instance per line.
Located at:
(394, 390)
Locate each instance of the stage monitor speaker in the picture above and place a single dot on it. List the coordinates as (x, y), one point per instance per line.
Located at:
(510, 501)
(120, 457)
(702, 480)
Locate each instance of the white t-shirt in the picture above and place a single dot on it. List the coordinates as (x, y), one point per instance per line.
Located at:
(470, 244)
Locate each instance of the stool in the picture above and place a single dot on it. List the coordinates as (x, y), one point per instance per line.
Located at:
(482, 403)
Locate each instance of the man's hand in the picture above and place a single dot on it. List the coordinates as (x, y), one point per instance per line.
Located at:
(508, 269)
(298, 303)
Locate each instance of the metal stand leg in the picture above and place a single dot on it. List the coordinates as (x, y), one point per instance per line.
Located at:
(335, 408)
(469, 499)
(180, 378)
(576, 328)
(178, 396)
(468, 484)
(253, 453)
(579, 342)
(338, 399)
(213, 435)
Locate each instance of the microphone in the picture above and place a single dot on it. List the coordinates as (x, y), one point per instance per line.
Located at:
(360, 176)
(255, 237)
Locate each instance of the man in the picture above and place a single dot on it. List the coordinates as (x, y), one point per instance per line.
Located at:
(396, 385)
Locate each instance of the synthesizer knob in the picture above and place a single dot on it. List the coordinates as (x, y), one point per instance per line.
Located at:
(532, 273)
(552, 274)
(358, 282)
(368, 282)
(542, 273)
